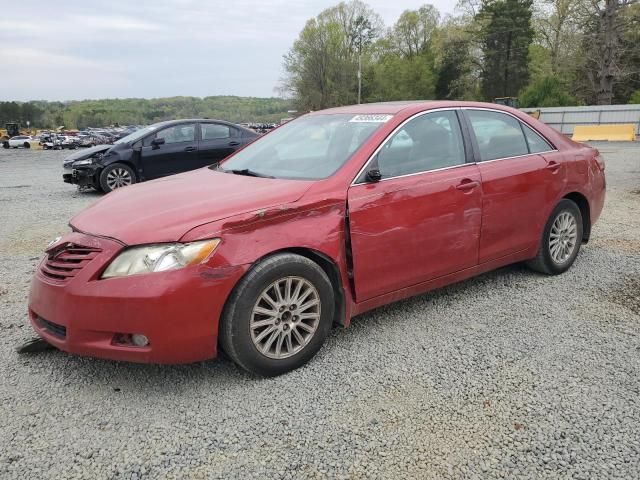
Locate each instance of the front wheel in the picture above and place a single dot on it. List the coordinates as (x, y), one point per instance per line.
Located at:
(27, 145)
(278, 315)
(117, 175)
(561, 240)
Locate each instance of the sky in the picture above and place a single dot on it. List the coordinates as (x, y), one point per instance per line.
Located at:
(147, 49)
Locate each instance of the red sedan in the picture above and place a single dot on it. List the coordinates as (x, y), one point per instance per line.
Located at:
(326, 217)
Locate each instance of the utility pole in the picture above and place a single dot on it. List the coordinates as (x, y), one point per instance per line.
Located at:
(360, 71)
(362, 32)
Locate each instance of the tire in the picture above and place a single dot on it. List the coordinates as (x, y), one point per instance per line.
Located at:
(556, 261)
(239, 335)
(5, 144)
(116, 175)
(27, 145)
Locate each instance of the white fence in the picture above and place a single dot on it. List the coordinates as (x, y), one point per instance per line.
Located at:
(565, 119)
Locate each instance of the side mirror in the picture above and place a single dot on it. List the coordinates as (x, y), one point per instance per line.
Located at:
(156, 142)
(374, 175)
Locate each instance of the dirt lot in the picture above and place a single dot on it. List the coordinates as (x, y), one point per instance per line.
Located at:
(509, 375)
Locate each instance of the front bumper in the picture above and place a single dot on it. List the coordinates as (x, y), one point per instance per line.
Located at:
(84, 177)
(178, 311)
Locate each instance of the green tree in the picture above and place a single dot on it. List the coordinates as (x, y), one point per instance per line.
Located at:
(321, 67)
(413, 32)
(505, 35)
(403, 62)
(547, 92)
(454, 64)
(628, 79)
(558, 31)
(98, 113)
(605, 25)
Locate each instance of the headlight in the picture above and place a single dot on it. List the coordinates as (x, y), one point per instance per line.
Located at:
(159, 258)
(86, 161)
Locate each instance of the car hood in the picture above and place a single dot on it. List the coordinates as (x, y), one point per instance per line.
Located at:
(86, 153)
(164, 210)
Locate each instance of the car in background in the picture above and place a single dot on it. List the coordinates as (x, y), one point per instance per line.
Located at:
(156, 151)
(19, 141)
(330, 215)
(51, 141)
(69, 142)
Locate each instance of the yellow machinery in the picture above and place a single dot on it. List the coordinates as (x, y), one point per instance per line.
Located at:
(507, 101)
(536, 114)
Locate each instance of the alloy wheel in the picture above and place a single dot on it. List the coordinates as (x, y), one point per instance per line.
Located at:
(118, 177)
(563, 237)
(285, 317)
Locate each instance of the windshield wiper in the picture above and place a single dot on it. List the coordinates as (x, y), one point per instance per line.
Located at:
(249, 173)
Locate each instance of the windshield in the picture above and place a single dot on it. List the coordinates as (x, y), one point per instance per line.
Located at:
(311, 147)
(137, 135)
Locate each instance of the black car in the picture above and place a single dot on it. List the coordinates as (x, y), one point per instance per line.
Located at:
(155, 151)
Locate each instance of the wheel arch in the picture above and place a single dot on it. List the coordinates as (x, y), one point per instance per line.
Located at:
(585, 210)
(328, 265)
(333, 272)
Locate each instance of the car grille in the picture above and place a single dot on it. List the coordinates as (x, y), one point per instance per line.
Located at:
(59, 331)
(65, 262)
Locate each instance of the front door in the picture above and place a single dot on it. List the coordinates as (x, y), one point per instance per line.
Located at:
(422, 219)
(178, 153)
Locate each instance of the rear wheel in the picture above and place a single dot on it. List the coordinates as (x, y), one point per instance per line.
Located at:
(27, 145)
(561, 240)
(278, 316)
(117, 175)
(5, 144)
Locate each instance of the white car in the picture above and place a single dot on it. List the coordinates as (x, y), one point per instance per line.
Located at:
(19, 141)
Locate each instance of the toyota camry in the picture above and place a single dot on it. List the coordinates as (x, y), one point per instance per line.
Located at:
(332, 214)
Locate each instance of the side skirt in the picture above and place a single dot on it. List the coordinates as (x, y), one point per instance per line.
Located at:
(443, 281)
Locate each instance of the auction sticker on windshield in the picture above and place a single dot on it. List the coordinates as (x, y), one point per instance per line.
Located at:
(372, 118)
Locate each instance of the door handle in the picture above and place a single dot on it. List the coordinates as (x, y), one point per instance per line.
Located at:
(467, 184)
(553, 166)
(190, 149)
(234, 144)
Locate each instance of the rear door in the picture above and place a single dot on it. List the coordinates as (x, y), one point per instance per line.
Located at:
(217, 142)
(422, 219)
(522, 175)
(178, 153)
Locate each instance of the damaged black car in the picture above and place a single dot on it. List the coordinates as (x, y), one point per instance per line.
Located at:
(161, 149)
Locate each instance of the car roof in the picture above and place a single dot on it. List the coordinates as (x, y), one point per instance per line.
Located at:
(191, 120)
(392, 108)
(168, 123)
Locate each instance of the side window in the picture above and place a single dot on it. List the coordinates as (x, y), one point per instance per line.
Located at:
(428, 142)
(178, 133)
(147, 140)
(215, 131)
(498, 135)
(536, 143)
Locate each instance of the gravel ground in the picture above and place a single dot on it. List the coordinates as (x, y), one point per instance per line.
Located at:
(509, 375)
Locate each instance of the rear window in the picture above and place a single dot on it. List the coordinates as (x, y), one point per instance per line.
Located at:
(537, 144)
(498, 135)
(215, 131)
